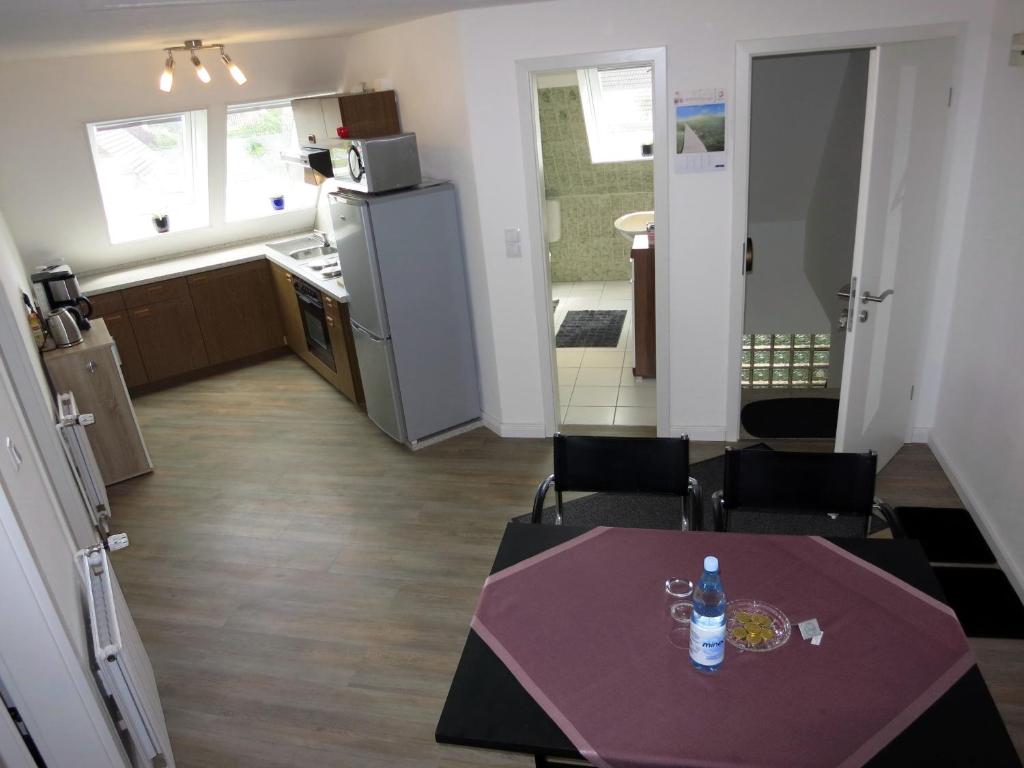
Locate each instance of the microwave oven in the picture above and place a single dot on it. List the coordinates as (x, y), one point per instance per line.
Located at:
(382, 164)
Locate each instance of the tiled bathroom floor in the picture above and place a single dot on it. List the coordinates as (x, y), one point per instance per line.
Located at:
(596, 384)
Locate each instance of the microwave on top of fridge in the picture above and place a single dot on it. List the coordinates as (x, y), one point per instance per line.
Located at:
(381, 164)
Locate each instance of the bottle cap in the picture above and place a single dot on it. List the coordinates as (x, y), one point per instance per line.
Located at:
(711, 564)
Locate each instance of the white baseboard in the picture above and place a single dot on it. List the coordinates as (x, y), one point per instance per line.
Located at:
(714, 434)
(504, 429)
(1013, 569)
(920, 435)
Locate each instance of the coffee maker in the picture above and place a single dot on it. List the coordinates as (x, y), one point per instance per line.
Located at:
(55, 288)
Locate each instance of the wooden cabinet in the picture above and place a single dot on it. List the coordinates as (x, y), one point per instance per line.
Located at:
(237, 311)
(366, 115)
(110, 307)
(169, 338)
(291, 319)
(645, 347)
(91, 371)
(346, 375)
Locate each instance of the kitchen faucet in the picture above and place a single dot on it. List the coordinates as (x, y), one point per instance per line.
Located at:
(322, 236)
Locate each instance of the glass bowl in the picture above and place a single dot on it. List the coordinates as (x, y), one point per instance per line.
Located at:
(751, 625)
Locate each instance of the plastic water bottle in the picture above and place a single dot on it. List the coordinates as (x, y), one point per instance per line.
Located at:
(707, 624)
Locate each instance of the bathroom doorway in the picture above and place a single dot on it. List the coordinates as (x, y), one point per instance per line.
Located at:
(595, 148)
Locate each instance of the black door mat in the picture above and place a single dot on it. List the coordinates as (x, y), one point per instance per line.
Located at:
(947, 535)
(983, 600)
(591, 328)
(791, 417)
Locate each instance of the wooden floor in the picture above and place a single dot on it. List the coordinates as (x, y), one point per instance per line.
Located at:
(304, 585)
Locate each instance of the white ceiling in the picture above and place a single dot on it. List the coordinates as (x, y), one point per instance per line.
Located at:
(42, 28)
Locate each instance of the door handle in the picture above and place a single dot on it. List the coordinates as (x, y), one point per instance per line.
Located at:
(748, 256)
(866, 296)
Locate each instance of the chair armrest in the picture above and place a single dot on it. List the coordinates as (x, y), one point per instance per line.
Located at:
(538, 498)
(718, 510)
(695, 499)
(887, 513)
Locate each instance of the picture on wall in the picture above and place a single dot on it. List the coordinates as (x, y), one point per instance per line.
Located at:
(700, 131)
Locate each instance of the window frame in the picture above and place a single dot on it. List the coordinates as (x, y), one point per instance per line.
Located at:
(592, 104)
(196, 147)
(252, 106)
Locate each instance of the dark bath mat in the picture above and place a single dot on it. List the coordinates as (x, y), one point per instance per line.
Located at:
(591, 328)
(983, 600)
(947, 535)
(791, 417)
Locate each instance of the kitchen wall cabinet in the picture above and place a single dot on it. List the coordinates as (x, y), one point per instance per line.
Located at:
(90, 370)
(236, 311)
(169, 337)
(366, 115)
(291, 319)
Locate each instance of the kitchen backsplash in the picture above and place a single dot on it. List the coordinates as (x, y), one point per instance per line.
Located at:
(591, 196)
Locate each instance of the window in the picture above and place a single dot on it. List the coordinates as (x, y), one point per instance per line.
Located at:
(152, 167)
(257, 134)
(785, 360)
(618, 111)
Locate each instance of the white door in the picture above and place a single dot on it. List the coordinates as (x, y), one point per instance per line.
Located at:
(897, 222)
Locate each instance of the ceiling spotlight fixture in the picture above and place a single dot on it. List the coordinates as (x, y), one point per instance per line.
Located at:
(234, 69)
(191, 47)
(167, 78)
(201, 72)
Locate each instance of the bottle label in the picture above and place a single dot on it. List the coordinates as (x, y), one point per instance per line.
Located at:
(707, 644)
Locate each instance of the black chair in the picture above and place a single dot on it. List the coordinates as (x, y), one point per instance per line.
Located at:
(825, 494)
(642, 465)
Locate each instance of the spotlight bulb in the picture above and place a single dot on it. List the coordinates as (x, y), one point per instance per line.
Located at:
(167, 78)
(234, 69)
(201, 72)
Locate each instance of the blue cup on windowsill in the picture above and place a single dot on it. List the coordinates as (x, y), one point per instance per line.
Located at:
(277, 201)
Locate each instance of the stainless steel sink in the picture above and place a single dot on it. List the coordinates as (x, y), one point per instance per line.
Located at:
(308, 253)
(302, 248)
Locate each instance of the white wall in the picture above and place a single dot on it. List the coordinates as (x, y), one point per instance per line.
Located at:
(780, 298)
(48, 187)
(701, 43)
(425, 63)
(979, 424)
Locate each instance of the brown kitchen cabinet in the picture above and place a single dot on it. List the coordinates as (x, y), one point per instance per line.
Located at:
(367, 115)
(346, 376)
(169, 338)
(90, 371)
(236, 311)
(110, 307)
(291, 319)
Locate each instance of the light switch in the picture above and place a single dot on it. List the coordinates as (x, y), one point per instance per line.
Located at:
(512, 243)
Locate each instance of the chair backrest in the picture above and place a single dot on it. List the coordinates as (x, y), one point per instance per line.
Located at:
(834, 482)
(622, 464)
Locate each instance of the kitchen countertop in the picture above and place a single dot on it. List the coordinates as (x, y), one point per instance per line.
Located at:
(191, 264)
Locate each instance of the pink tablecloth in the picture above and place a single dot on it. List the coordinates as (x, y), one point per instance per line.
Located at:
(583, 627)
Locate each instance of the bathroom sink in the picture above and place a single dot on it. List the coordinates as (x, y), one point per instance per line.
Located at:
(630, 225)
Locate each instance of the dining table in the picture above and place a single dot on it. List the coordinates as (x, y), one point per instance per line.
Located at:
(567, 657)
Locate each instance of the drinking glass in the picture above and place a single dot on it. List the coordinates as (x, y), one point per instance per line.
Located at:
(677, 604)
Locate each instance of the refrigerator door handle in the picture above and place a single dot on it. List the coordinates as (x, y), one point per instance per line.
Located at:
(372, 336)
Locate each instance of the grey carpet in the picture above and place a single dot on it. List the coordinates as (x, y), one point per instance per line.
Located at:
(591, 328)
(625, 510)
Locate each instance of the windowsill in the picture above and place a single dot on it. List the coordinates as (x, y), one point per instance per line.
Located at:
(155, 235)
(270, 215)
(629, 160)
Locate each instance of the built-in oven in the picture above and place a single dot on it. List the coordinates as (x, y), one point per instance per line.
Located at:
(314, 322)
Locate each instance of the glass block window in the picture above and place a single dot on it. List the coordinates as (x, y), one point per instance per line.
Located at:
(785, 360)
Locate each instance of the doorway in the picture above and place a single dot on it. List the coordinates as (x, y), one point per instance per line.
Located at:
(595, 130)
(806, 141)
(903, 150)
